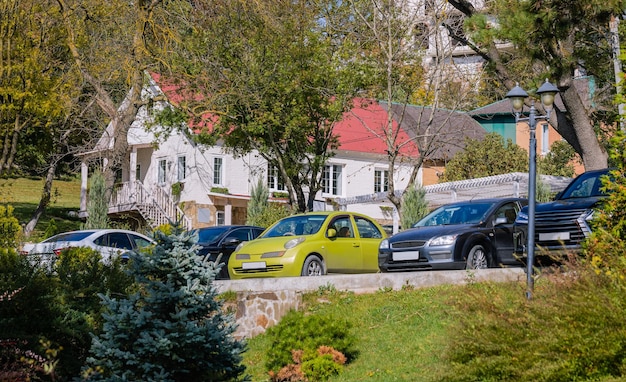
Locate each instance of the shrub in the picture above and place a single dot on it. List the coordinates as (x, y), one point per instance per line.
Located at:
(10, 229)
(297, 331)
(414, 207)
(270, 215)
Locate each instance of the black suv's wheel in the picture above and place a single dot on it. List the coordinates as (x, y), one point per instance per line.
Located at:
(477, 258)
(313, 266)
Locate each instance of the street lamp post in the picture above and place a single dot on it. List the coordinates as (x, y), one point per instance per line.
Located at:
(517, 95)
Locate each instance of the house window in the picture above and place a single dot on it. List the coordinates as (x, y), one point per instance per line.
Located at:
(220, 218)
(162, 170)
(182, 168)
(545, 139)
(332, 180)
(381, 180)
(217, 171)
(274, 180)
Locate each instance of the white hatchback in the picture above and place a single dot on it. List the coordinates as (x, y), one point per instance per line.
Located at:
(109, 242)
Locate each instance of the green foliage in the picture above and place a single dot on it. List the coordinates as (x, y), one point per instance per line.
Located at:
(414, 207)
(173, 327)
(486, 157)
(177, 188)
(58, 307)
(607, 244)
(258, 202)
(558, 161)
(280, 92)
(220, 190)
(98, 204)
(320, 368)
(270, 215)
(298, 331)
(10, 229)
(544, 192)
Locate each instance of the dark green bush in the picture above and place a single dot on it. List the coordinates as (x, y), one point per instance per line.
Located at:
(56, 312)
(297, 331)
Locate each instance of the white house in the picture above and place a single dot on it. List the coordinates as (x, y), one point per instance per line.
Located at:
(214, 186)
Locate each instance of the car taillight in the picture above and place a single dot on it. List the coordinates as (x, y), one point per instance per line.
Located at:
(58, 251)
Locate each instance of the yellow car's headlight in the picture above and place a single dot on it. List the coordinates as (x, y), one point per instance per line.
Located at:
(293, 242)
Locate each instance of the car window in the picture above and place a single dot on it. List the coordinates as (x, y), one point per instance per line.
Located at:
(239, 234)
(584, 186)
(296, 225)
(210, 234)
(139, 241)
(367, 229)
(69, 236)
(119, 240)
(343, 226)
(508, 211)
(469, 213)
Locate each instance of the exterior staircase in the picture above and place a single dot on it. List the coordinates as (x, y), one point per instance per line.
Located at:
(156, 206)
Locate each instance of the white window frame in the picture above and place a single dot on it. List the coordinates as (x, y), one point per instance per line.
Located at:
(220, 218)
(381, 180)
(162, 171)
(274, 180)
(218, 171)
(332, 180)
(181, 163)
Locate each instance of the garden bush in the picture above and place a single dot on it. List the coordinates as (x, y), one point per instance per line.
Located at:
(307, 333)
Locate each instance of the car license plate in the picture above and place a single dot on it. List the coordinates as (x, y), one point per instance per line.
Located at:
(551, 236)
(403, 256)
(254, 265)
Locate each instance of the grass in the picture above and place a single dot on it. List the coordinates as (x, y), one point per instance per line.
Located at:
(23, 194)
(400, 334)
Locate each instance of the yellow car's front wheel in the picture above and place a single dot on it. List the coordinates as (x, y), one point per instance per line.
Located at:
(313, 266)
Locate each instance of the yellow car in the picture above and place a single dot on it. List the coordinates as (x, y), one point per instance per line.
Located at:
(311, 244)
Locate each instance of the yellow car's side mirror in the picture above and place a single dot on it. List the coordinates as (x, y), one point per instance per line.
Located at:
(331, 233)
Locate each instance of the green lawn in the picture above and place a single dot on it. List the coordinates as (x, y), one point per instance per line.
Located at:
(400, 334)
(23, 195)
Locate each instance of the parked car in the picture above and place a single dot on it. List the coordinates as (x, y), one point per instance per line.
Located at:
(563, 224)
(223, 240)
(310, 244)
(109, 242)
(472, 234)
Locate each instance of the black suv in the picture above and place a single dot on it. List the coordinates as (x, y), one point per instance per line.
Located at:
(562, 224)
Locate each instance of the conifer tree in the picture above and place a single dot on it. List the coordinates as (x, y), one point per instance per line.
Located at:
(414, 207)
(98, 205)
(172, 328)
(258, 203)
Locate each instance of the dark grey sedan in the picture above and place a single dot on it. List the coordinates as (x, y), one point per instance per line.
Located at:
(464, 235)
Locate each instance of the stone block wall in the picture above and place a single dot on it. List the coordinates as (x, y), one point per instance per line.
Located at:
(257, 311)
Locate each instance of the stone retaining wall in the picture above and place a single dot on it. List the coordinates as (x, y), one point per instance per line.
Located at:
(261, 303)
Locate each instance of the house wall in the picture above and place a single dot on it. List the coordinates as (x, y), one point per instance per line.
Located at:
(358, 175)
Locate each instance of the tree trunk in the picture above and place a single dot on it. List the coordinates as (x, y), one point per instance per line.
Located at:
(577, 129)
(43, 202)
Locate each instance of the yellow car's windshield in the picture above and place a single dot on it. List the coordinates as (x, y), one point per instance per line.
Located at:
(296, 225)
